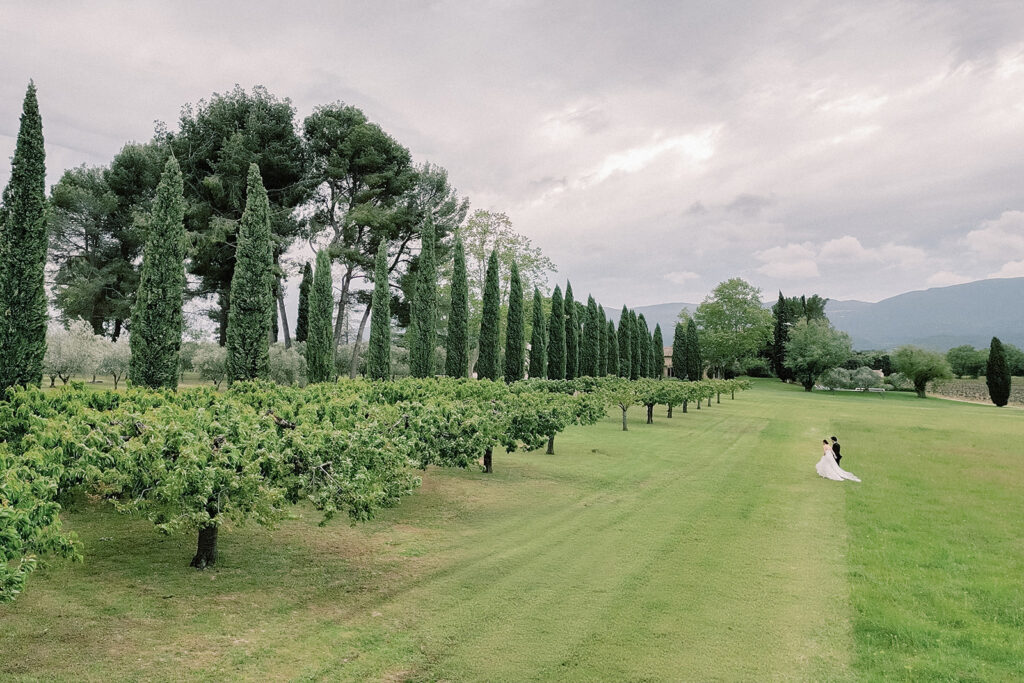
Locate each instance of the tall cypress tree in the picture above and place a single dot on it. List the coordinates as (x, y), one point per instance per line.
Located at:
(421, 359)
(637, 348)
(252, 297)
(783, 320)
(157, 319)
(378, 355)
(515, 329)
(644, 335)
(590, 351)
(658, 354)
(997, 374)
(694, 362)
(602, 342)
(679, 363)
(302, 321)
(456, 362)
(625, 345)
(556, 336)
(572, 335)
(23, 244)
(487, 363)
(320, 342)
(538, 342)
(613, 350)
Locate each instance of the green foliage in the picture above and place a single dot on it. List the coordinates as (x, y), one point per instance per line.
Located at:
(997, 374)
(920, 366)
(157, 318)
(556, 337)
(590, 352)
(643, 337)
(637, 348)
(320, 344)
(602, 341)
(424, 311)
(694, 360)
(966, 361)
(23, 242)
(733, 324)
(538, 340)
(457, 356)
(658, 354)
(378, 361)
(252, 299)
(625, 344)
(679, 362)
(302, 320)
(572, 335)
(514, 330)
(613, 350)
(487, 363)
(813, 348)
(210, 361)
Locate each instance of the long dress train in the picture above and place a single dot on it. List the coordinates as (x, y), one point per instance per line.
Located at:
(829, 469)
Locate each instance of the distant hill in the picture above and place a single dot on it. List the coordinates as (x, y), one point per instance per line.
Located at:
(938, 318)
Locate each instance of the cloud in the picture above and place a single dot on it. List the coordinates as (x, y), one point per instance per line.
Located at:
(945, 278)
(691, 148)
(1010, 269)
(792, 262)
(681, 277)
(1000, 238)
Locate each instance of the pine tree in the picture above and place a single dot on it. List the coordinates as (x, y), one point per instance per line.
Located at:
(679, 362)
(252, 298)
(487, 363)
(636, 347)
(658, 354)
(625, 345)
(602, 342)
(572, 335)
(515, 330)
(556, 336)
(378, 355)
(320, 342)
(538, 343)
(421, 358)
(613, 350)
(694, 362)
(997, 374)
(456, 363)
(302, 322)
(155, 340)
(23, 244)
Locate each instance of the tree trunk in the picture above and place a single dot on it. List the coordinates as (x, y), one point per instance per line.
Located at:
(339, 324)
(206, 550)
(670, 411)
(718, 398)
(488, 469)
(355, 348)
(118, 324)
(284, 318)
(624, 427)
(699, 401)
(920, 393)
(684, 405)
(650, 412)
(709, 401)
(733, 395)
(551, 445)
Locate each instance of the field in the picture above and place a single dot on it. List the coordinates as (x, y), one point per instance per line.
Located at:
(975, 390)
(700, 547)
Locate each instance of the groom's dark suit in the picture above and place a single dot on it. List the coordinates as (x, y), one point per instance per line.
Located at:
(835, 451)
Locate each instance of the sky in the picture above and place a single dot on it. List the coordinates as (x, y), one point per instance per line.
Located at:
(650, 149)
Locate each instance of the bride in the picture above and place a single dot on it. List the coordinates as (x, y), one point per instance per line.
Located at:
(828, 468)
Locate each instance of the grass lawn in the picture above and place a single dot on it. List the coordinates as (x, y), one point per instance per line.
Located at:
(701, 547)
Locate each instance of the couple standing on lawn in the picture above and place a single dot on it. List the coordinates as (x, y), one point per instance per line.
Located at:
(828, 467)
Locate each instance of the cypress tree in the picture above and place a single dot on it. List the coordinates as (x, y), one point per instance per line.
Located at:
(572, 335)
(636, 366)
(302, 322)
(252, 297)
(997, 374)
(515, 330)
(556, 336)
(538, 343)
(625, 345)
(421, 359)
(320, 342)
(658, 354)
(644, 335)
(378, 355)
(590, 349)
(783, 319)
(694, 363)
(602, 342)
(456, 363)
(23, 244)
(613, 350)
(155, 340)
(679, 362)
(487, 363)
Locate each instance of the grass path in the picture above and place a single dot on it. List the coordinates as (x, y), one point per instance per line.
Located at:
(702, 547)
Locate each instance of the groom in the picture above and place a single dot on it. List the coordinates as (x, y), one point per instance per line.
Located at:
(835, 450)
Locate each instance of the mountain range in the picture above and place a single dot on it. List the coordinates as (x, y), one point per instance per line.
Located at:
(938, 318)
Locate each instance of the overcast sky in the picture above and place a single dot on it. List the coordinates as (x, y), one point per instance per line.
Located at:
(651, 149)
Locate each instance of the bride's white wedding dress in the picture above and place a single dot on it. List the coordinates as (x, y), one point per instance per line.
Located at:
(828, 467)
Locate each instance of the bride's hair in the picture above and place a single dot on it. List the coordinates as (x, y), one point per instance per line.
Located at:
(825, 441)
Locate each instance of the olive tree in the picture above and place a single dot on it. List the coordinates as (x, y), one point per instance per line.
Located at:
(815, 347)
(920, 366)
